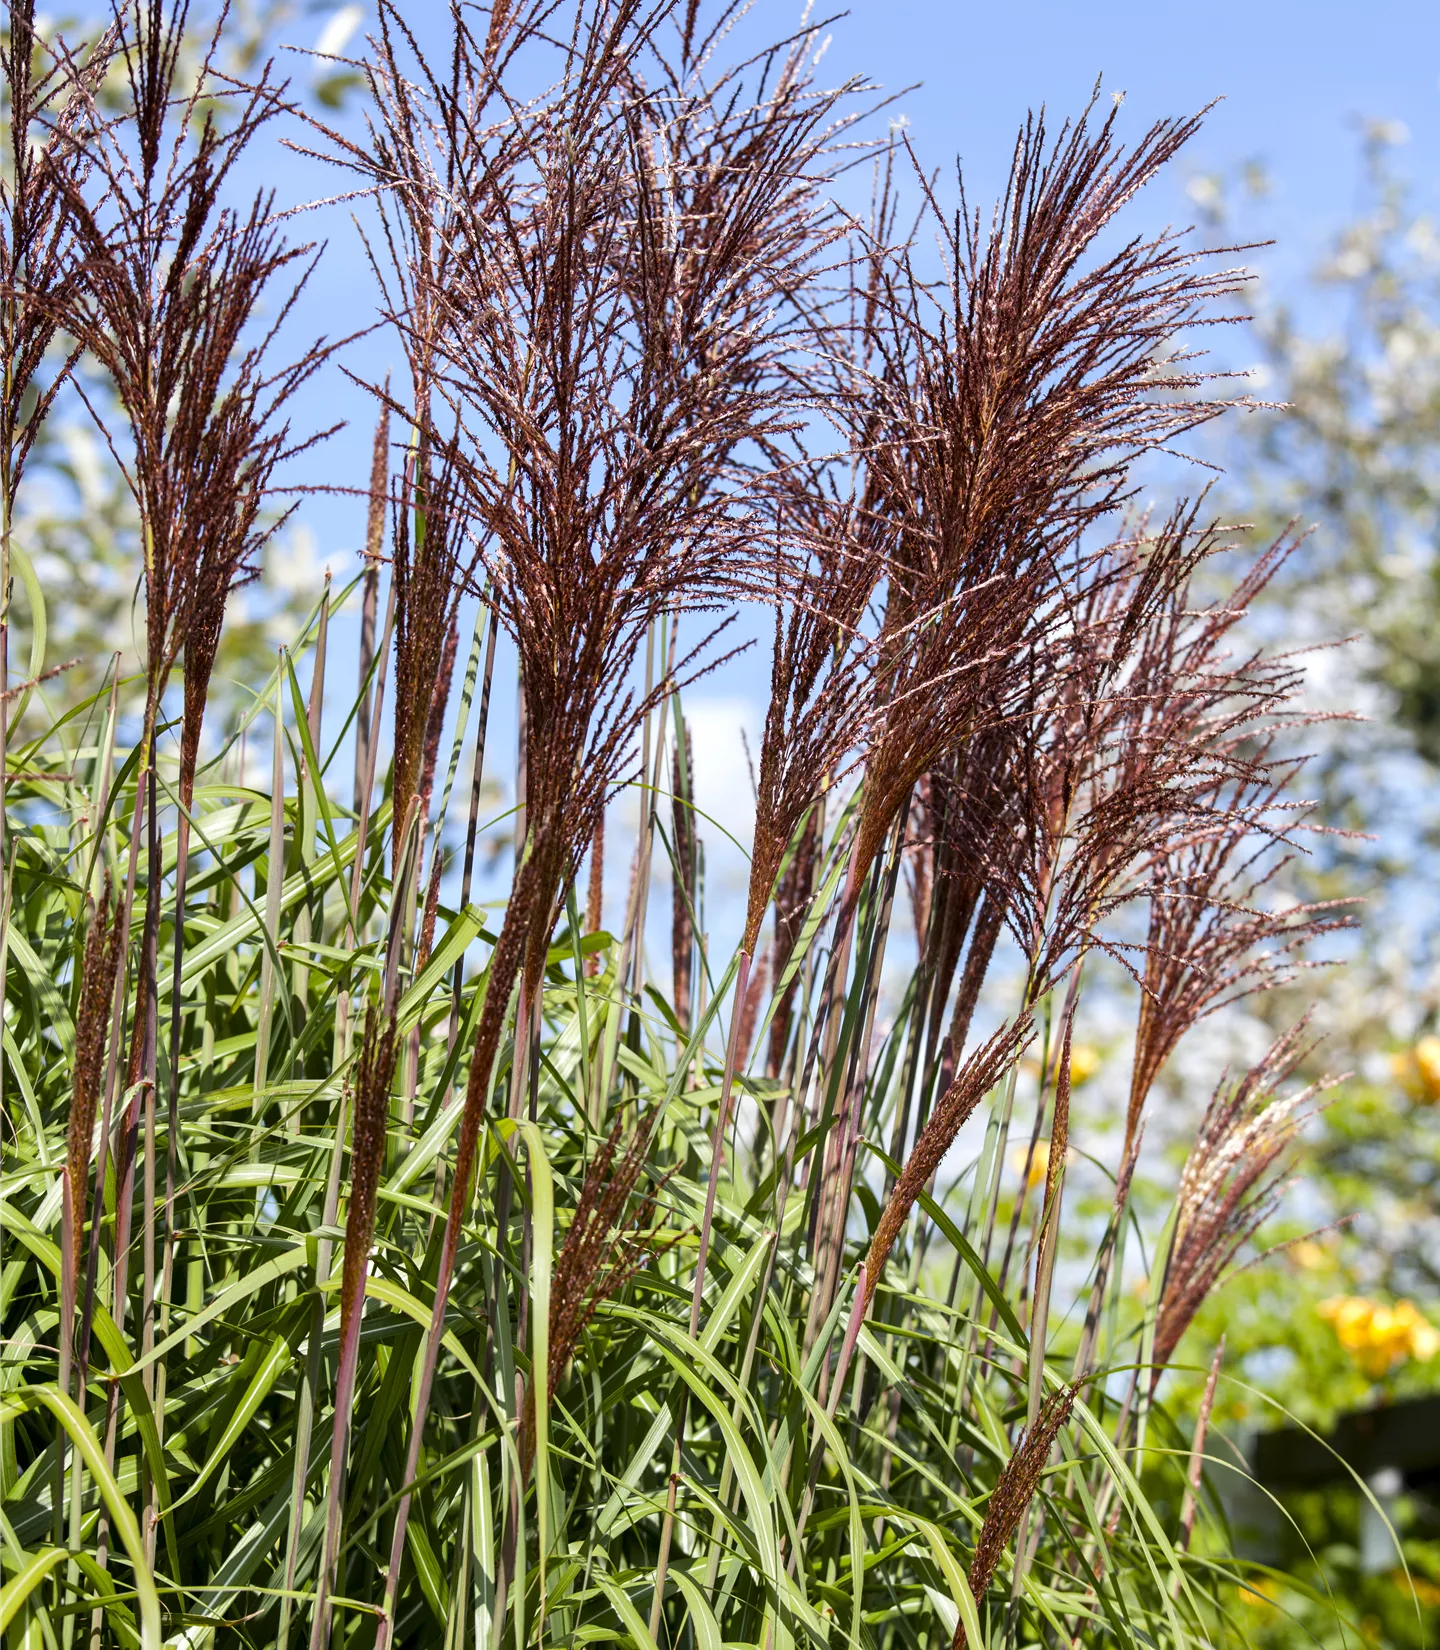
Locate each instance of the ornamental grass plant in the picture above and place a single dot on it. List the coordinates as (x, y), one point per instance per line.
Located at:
(384, 1267)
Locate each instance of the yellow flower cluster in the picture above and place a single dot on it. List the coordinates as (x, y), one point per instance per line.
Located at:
(1380, 1338)
(1085, 1061)
(1418, 1070)
(1039, 1163)
(1261, 1593)
(1309, 1256)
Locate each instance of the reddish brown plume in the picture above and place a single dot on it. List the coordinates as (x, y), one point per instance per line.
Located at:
(1000, 419)
(50, 137)
(92, 1021)
(971, 1084)
(1229, 1185)
(167, 290)
(1013, 1492)
(607, 1243)
(374, 1073)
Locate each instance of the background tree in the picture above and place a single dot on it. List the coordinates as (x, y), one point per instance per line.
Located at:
(1350, 350)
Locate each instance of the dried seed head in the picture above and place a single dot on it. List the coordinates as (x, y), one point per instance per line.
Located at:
(822, 688)
(1195, 1474)
(50, 131)
(595, 894)
(592, 289)
(749, 1012)
(607, 1243)
(1014, 1489)
(978, 955)
(1000, 414)
(431, 908)
(92, 1021)
(379, 484)
(980, 1073)
(1137, 763)
(433, 563)
(167, 289)
(792, 902)
(374, 1073)
(1216, 932)
(1231, 1183)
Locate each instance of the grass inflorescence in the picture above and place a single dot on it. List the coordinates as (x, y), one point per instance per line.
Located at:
(380, 1267)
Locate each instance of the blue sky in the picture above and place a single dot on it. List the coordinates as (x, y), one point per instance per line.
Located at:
(1294, 78)
(1297, 81)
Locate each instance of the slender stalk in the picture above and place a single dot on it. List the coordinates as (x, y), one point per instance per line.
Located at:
(305, 797)
(372, 1096)
(274, 882)
(697, 1293)
(830, 1247)
(1195, 1469)
(472, 824)
(496, 987)
(119, 1263)
(366, 722)
(353, 919)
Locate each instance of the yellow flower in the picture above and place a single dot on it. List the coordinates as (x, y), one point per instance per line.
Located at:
(1308, 1255)
(1261, 1593)
(1418, 1070)
(1426, 1592)
(1039, 1163)
(1085, 1061)
(1424, 1339)
(1380, 1338)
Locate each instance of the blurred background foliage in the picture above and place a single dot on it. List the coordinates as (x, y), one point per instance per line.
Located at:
(1342, 1318)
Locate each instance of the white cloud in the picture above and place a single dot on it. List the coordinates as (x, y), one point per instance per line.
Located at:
(724, 791)
(294, 565)
(339, 27)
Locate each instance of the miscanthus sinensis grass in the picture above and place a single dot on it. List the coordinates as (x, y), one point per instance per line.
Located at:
(379, 1267)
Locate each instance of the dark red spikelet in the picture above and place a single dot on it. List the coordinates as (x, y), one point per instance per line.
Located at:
(92, 1022)
(1013, 1492)
(375, 1071)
